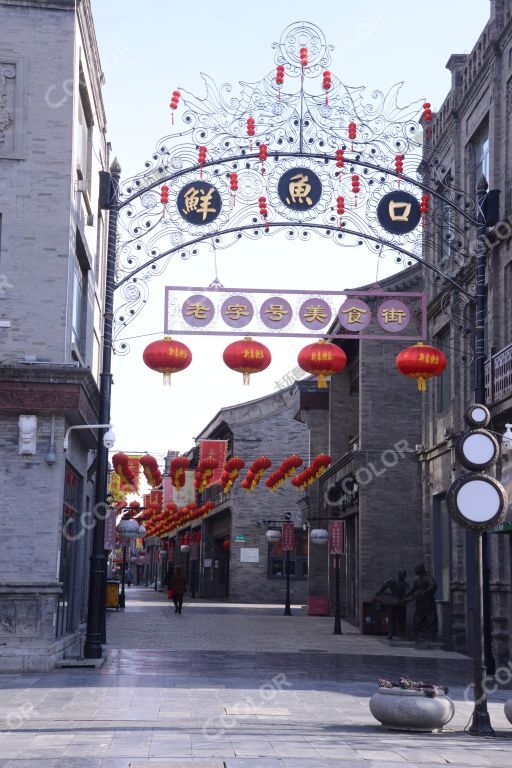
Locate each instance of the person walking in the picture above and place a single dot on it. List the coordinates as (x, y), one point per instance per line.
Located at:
(129, 575)
(179, 587)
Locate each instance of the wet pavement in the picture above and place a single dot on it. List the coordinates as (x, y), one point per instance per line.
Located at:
(234, 686)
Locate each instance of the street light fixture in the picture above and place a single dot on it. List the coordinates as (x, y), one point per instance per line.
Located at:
(108, 438)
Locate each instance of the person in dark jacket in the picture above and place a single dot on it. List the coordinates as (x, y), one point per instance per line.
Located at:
(179, 587)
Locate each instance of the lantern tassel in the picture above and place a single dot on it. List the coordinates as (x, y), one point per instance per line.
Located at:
(247, 378)
(422, 384)
(167, 379)
(322, 381)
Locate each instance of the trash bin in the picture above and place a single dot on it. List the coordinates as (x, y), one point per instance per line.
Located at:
(318, 606)
(112, 595)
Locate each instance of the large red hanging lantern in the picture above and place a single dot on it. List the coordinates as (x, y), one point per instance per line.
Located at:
(247, 356)
(167, 356)
(421, 362)
(322, 359)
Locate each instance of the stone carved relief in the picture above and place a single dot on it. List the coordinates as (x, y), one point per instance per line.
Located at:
(19, 617)
(7, 105)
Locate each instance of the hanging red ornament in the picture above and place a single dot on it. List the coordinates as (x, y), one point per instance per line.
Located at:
(340, 207)
(427, 116)
(247, 356)
(326, 84)
(263, 156)
(167, 356)
(340, 158)
(174, 103)
(280, 74)
(201, 159)
(421, 362)
(262, 201)
(233, 184)
(424, 208)
(177, 471)
(322, 359)
(304, 56)
(355, 186)
(352, 131)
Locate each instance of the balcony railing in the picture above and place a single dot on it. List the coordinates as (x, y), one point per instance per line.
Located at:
(498, 376)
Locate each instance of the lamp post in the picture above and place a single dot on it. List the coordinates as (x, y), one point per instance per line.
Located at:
(127, 530)
(97, 577)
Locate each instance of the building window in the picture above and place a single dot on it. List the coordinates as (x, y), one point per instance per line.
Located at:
(482, 156)
(83, 137)
(442, 547)
(70, 539)
(80, 299)
(298, 558)
(444, 381)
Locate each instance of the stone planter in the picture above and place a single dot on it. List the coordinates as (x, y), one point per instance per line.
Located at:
(508, 710)
(406, 710)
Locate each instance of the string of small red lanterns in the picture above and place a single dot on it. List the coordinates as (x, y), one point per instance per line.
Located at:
(231, 470)
(174, 103)
(312, 472)
(121, 464)
(177, 471)
(204, 473)
(255, 472)
(151, 470)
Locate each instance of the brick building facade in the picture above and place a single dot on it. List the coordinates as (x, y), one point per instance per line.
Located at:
(470, 134)
(52, 254)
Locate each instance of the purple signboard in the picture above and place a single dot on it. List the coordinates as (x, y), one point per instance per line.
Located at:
(393, 315)
(276, 312)
(198, 311)
(237, 311)
(315, 314)
(354, 314)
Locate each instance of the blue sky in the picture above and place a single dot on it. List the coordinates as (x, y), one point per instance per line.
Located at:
(149, 49)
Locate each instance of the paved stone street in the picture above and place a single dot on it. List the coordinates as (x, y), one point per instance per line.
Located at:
(290, 694)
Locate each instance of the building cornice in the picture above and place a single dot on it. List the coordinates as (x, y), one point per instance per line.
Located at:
(46, 5)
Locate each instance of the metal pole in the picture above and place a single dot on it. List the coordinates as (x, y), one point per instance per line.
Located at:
(481, 722)
(287, 607)
(92, 648)
(122, 596)
(156, 571)
(337, 615)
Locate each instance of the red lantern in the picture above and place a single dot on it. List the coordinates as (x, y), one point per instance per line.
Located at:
(177, 470)
(340, 158)
(340, 205)
(201, 159)
(421, 362)
(352, 131)
(247, 356)
(326, 84)
(280, 74)
(226, 545)
(263, 156)
(164, 194)
(167, 356)
(304, 57)
(174, 103)
(424, 206)
(399, 163)
(250, 126)
(262, 201)
(322, 359)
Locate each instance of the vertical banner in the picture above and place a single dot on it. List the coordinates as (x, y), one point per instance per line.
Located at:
(133, 463)
(214, 449)
(110, 528)
(168, 489)
(288, 537)
(155, 497)
(337, 537)
(115, 487)
(187, 494)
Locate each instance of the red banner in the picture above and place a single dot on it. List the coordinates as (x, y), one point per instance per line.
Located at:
(110, 529)
(214, 449)
(155, 497)
(337, 537)
(288, 538)
(168, 495)
(133, 463)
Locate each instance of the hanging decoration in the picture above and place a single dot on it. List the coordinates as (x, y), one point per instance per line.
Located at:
(340, 158)
(167, 356)
(174, 103)
(255, 472)
(340, 208)
(263, 156)
(231, 470)
(121, 464)
(151, 471)
(279, 79)
(427, 116)
(287, 468)
(247, 356)
(226, 544)
(421, 362)
(204, 473)
(424, 207)
(177, 470)
(201, 159)
(356, 188)
(233, 185)
(304, 57)
(322, 359)
(311, 473)
(326, 84)
(164, 198)
(250, 130)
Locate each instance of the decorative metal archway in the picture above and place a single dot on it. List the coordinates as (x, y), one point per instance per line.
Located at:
(300, 120)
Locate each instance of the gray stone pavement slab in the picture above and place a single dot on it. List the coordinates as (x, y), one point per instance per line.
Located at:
(206, 694)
